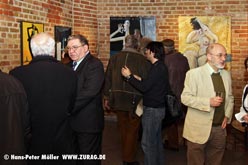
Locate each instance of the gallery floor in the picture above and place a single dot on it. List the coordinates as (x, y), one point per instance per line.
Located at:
(234, 155)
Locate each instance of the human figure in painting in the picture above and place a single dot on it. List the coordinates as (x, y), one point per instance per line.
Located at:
(123, 29)
(200, 37)
(137, 34)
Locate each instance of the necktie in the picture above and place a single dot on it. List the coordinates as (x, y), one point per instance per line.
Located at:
(74, 64)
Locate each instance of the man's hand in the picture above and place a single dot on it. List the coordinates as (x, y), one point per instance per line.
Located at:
(245, 118)
(106, 104)
(224, 123)
(215, 101)
(125, 71)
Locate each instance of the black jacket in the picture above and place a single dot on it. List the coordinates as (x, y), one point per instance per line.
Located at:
(51, 90)
(13, 118)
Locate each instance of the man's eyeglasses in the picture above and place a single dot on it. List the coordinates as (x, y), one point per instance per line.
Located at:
(73, 48)
(220, 55)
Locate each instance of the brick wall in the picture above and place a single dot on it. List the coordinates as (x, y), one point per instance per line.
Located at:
(167, 12)
(91, 18)
(12, 12)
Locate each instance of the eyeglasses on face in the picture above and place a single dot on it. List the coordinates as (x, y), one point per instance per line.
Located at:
(220, 55)
(73, 48)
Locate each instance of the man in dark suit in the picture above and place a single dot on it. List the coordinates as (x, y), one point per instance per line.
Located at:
(51, 91)
(87, 117)
(177, 65)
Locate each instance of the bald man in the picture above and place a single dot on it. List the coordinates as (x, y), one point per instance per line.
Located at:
(51, 90)
(208, 113)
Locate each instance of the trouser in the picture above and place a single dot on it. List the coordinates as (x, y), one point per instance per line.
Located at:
(128, 124)
(151, 142)
(209, 153)
(172, 135)
(89, 144)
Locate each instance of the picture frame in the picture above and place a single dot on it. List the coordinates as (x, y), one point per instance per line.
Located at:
(61, 34)
(120, 27)
(196, 33)
(28, 29)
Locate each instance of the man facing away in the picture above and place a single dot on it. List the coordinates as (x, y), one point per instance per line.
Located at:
(120, 96)
(177, 65)
(51, 90)
(87, 119)
(208, 112)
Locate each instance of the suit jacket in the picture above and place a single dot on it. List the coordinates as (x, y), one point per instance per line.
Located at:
(51, 91)
(87, 115)
(198, 89)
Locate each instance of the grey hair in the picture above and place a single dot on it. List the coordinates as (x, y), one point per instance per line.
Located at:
(42, 44)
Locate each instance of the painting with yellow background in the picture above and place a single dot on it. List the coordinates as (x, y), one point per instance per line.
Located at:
(197, 32)
(28, 29)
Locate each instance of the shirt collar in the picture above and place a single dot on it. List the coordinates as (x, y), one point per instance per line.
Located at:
(78, 62)
(211, 70)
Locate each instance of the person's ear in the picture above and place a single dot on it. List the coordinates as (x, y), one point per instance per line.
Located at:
(209, 57)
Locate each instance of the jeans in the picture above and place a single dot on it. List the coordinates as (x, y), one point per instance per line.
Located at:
(151, 142)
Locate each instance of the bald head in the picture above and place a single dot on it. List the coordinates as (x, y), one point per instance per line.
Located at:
(42, 44)
(214, 48)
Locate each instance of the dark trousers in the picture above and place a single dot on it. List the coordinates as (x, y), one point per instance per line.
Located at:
(172, 134)
(129, 125)
(89, 143)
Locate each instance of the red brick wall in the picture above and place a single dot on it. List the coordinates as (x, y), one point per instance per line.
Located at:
(85, 21)
(91, 18)
(49, 13)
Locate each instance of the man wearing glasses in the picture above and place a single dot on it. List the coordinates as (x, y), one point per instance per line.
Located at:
(87, 116)
(208, 113)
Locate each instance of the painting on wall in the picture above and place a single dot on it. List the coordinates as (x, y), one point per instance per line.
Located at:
(196, 33)
(28, 29)
(120, 27)
(61, 35)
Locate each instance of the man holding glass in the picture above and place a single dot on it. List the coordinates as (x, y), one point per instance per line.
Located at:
(208, 94)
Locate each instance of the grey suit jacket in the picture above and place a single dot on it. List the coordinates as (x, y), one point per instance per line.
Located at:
(198, 89)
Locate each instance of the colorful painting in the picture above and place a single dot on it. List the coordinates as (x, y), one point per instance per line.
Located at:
(28, 29)
(196, 33)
